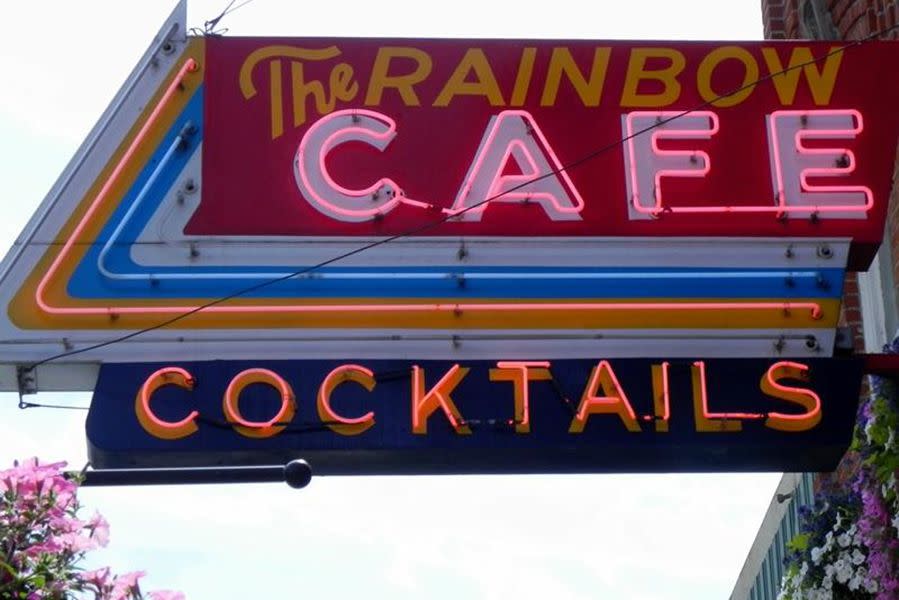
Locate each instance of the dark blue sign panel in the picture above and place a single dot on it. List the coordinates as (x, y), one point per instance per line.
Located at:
(394, 417)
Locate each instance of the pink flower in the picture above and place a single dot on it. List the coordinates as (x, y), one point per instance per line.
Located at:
(99, 529)
(97, 577)
(64, 524)
(51, 546)
(166, 595)
(31, 479)
(125, 584)
(76, 543)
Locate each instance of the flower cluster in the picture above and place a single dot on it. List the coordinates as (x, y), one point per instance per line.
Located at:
(829, 559)
(42, 540)
(849, 545)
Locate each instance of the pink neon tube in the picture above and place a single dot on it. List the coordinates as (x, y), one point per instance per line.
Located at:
(592, 400)
(339, 137)
(525, 399)
(654, 140)
(146, 392)
(232, 397)
(785, 388)
(814, 308)
(550, 154)
(666, 393)
(699, 364)
(780, 208)
(330, 384)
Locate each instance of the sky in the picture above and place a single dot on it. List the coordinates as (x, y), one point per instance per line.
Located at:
(589, 536)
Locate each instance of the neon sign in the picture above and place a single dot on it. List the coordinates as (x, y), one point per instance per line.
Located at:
(397, 410)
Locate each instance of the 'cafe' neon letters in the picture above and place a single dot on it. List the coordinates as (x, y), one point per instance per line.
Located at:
(515, 135)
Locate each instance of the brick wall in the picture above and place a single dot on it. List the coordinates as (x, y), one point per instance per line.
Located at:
(856, 19)
(851, 312)
(853, 19)
(773, 17)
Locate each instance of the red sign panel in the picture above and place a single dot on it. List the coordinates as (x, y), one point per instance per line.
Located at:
(340, 137)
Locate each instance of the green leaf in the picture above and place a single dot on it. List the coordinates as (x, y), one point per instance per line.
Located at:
(887, 466)
(7, 568)
(799, 543)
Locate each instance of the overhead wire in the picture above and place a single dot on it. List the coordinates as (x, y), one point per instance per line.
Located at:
(455, 215)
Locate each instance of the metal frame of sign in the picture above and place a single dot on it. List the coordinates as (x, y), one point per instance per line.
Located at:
(429, 417)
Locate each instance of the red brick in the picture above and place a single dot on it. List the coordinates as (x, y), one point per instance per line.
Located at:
(839, 8)
(852, 317)
(772, 10)
(848, 23)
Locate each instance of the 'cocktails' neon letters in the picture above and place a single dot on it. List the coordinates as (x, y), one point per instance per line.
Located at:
(603, 396)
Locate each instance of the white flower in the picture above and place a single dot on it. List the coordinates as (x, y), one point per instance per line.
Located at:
(868, 427)
(855, 583)
(836, 526)
(828, 541)
(803, 569)
(857, 557)
(816, 555)
(891, 441)
(895, 522)
(827, 582)
(844, 540)
(871, 586)
(843, 570)
(852, 529)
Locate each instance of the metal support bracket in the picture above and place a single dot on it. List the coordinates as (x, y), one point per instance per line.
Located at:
(26, 379)
(297, 474)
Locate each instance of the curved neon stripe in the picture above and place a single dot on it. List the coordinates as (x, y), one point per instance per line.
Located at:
(190, 65)
(814, 308)
(101, 260)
